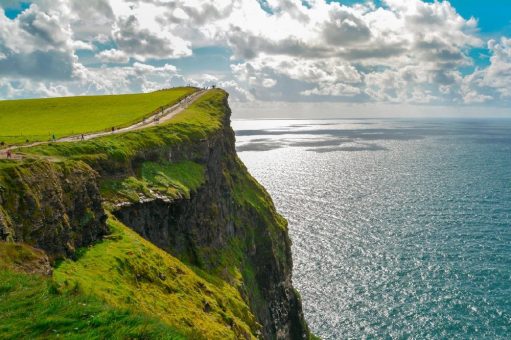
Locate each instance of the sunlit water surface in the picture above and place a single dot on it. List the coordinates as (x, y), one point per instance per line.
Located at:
(400, 228)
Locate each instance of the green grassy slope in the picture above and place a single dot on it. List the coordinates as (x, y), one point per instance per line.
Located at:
(32, 307)
(38, 119)
(127, 271)
(174, 180)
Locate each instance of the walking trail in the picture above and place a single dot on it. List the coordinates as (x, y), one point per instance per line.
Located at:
(153, 120)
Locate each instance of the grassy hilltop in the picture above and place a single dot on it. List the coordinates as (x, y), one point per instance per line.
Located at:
(38, 119)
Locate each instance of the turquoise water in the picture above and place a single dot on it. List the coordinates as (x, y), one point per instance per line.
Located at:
(400, 228)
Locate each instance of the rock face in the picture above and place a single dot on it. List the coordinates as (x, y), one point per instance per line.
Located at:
(52, 206)
(23, 258)
(228, 225)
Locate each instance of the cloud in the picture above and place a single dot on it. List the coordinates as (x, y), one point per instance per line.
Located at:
(142, 43)
(391, 51)
(113, 56)
(37, 45)
(268, 82)
(52, 65)
(91, 20)
(338, 89)
(344, 28)
(34, 30)
(498, 74)
(43, 28)
(493, 81)
(139, 77)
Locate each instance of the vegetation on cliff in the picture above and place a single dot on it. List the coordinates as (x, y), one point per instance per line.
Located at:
(32, 306)
(127, 271)
(156, 179)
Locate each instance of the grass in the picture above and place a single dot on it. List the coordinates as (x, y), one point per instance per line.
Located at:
(127, 271)
(39, 119)
(173, 180)
(186, 175)
(32, 308)
(199, 120)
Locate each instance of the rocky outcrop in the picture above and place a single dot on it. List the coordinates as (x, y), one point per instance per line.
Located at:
(52, 206)
(228, 225)
(23, 258)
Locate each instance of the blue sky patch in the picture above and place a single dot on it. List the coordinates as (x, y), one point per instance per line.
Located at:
(12, 13)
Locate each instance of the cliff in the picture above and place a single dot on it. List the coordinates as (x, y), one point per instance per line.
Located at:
(55, 206)
(213, 239)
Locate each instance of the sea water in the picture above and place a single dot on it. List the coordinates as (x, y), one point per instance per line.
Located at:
(401, 228)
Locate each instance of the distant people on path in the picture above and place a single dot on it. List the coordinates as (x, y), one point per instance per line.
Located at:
(9, 154)
(53, 138)
(113, 129)
(83, 137)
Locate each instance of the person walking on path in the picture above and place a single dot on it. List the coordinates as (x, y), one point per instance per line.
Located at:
(83, 137)
(9, 154)
(53, 138)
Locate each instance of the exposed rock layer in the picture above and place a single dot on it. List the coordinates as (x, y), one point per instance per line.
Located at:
(52, 206)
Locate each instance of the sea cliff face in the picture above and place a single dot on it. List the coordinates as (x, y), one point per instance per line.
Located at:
(227, 224)
(53, 206)
(181, 187)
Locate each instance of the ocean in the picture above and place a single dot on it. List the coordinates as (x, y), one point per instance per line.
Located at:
(401, 228)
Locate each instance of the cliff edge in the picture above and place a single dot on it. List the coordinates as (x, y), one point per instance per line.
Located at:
(160, 219)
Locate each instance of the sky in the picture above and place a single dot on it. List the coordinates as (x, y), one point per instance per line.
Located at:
(276, 58)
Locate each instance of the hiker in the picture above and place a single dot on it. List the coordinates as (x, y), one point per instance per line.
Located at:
(83, 137)
(113, 129)
(9, 154)
(53, 137)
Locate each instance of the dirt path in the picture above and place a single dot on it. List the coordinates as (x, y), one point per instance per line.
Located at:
(153, 120)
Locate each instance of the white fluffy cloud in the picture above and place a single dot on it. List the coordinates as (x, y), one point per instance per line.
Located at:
(113, 56)
(404, 51)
